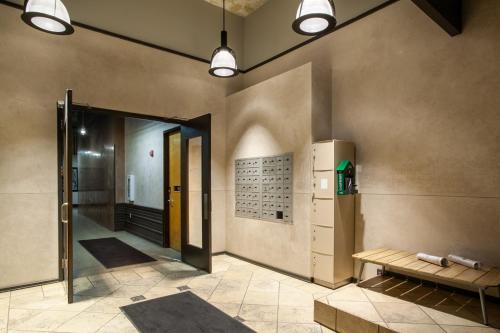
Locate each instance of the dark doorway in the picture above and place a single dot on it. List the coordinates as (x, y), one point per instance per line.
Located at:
(123, 212)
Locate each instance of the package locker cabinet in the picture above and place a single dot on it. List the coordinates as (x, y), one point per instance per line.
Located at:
(332, 217)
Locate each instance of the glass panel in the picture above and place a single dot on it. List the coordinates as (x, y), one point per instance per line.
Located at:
(195, 196)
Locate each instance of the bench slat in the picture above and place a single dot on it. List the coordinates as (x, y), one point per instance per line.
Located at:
(361, 255)
(416, 265)
(470, 275)
(403, 262)
(376, 256)
(491, 279)
(395, 257)
(452, 271)
(433, 269)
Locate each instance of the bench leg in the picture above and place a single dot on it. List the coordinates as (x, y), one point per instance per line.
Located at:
(483, 305)
(360, 273)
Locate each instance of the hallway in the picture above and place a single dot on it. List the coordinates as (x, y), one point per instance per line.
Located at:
(86, 264)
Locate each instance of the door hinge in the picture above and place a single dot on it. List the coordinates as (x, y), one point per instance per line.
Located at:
(64, 264)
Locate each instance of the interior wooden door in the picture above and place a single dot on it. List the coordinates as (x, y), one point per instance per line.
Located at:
(174, 189)
(195, 195)
(66, 214)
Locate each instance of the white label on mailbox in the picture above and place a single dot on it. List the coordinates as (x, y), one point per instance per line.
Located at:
(324, 184)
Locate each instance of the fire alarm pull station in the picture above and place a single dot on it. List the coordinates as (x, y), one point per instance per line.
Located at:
(345, 178)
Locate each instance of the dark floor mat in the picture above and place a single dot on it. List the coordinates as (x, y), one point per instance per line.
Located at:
(112, 252)
(181, 313)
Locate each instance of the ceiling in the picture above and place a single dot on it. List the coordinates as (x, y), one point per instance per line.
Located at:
(258, 29)
(240, 7)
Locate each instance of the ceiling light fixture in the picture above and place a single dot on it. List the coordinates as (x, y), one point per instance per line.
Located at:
(315, 17)
(223, 62)
(47, 15)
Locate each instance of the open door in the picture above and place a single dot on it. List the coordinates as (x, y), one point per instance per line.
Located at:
(196, 204)
(66, 215)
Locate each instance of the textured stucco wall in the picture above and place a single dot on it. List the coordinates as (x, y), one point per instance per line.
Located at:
(423, 110)
(266, 120)
(36, 68)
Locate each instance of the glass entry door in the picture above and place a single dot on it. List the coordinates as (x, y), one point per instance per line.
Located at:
(66, 214)
(196, 198)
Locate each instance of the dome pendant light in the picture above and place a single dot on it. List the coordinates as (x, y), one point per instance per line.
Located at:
(47, 15)
(223, 62)
(315, 17)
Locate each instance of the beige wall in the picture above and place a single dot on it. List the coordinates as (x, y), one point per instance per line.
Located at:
(189, 26)
(36, 68)
(422, 108)
(142, 136)
(272, 118)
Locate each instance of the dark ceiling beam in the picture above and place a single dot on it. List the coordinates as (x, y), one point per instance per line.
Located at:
(446, 13)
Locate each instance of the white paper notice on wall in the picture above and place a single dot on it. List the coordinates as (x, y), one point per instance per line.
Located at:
(323, 184)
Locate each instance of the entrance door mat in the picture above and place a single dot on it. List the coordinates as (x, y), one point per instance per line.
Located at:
(181, 313)
(112, 252)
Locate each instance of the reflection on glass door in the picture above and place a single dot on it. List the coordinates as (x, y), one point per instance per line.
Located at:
(195, 198)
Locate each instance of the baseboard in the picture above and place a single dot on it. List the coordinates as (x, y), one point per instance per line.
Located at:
(29, 285)
(278, 270)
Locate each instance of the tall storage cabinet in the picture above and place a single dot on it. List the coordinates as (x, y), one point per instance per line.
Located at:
(332, 216)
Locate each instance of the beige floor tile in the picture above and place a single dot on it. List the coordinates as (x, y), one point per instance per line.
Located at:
(26, 291)
(54, 303)
(126, 276)
(97, 291)
(262, 326)
(231, 309)
(146, 282)
(5, 295)
(363, 310)
(466, 329)
(119, 324)
(37, 320)
(402, 313)
(261, 297)
(298, 328)
(171, 282)
(416, 328)
(54, 289)
(4, 313)
(253, 312)
(220, 266)
(229, 291)
(447, 319)
(289, 314)
(291, 296)
(129, 291)
(157, 292)
(207, 282)
(151, 274)
(291, 282)
(85, 322)
(349, 293)
(109, 305)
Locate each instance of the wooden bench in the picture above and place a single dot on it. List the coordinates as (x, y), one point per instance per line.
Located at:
(454, 275)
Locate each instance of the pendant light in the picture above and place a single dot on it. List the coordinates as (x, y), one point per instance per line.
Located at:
(47, 15)
(315, 17)
(223, 62)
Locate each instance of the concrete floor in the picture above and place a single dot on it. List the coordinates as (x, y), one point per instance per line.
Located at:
(85, 264)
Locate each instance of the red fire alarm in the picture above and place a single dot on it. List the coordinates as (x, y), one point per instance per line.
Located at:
(152, 153)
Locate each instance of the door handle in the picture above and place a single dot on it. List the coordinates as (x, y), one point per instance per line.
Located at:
(64, 213)
(205, 206)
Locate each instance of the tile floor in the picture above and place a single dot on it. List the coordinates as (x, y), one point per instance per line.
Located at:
(85, 228)
(370, 303)
(263, 299)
